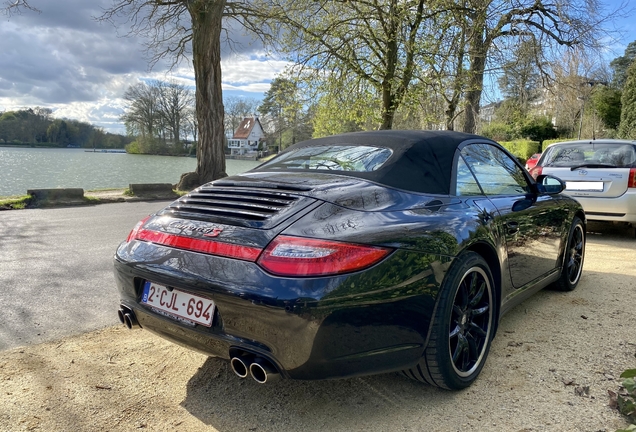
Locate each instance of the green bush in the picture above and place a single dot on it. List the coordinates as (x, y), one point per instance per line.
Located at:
(522, 149)
(133, 148)
(498, 131)
(537, 129)
(625, 400)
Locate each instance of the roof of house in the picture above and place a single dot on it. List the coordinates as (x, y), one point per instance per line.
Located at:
(245, 128)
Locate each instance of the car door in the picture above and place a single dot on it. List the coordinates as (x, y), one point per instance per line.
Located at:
(532, 224)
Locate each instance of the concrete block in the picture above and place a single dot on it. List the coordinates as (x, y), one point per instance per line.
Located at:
(55, 196)
(152, 190)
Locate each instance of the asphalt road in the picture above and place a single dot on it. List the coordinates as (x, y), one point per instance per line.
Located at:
(56, 276)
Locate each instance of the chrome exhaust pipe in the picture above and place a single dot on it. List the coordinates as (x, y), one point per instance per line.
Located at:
(240, 366)
(130, 321)
(127, 317)
(263, 371)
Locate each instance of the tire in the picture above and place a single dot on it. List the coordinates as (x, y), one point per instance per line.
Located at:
(462, 328)
(574, 256)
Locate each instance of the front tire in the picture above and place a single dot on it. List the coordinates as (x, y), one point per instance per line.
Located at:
(462, 328)
(574, 256)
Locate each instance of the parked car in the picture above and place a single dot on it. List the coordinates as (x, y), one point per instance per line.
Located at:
(532, 161)
(600, 174)
(354, 254)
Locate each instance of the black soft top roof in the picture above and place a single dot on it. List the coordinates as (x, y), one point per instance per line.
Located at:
(422, 161)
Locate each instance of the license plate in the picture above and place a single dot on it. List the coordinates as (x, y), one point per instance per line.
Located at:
(178, 303)
(584, 186)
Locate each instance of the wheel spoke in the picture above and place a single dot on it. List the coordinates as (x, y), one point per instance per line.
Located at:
(454, 332)
(475, 329)
(464, 291)
(457, 311)
(462, 345)
(478, 295)
(480, 311)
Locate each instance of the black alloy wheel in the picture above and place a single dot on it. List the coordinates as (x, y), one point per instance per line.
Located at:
(471, 321)
(574, 256)
(462, 328)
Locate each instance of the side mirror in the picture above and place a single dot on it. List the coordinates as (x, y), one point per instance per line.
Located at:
(549, 185)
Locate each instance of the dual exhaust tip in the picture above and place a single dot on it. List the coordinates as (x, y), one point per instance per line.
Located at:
(127, 317)
(259, 368)
(262, 370)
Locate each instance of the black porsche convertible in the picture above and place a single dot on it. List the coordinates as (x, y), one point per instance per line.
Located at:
(354, 254)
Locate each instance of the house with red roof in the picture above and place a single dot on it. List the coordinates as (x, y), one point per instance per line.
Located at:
(248, 138)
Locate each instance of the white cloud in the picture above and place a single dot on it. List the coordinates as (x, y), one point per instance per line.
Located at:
(65, 60)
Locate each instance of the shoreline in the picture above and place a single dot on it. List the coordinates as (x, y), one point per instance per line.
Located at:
(41, 198)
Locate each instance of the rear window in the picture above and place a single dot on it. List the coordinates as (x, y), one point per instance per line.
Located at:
(331, 158)
(617, 155)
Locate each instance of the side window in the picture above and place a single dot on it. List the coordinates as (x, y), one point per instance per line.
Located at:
(466, 183)
(495, 171)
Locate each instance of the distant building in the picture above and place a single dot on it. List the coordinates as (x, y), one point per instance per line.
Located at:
(248, 138)
(487, 112)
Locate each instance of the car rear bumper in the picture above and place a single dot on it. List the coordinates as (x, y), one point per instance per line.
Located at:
(308, 328)
(618, 209)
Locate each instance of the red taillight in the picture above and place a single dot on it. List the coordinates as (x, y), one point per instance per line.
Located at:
(536, 172)
(297, 256)
(205, 246)
(631, 183)
(134, 231)
(210, 247)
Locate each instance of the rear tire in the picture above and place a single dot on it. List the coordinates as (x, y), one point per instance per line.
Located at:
(574, 256)
(462, 328)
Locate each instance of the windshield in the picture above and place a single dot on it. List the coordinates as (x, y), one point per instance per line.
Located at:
(618, 155)
(332, 158)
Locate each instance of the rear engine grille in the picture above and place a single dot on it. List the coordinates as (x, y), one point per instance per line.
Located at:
(249, 206)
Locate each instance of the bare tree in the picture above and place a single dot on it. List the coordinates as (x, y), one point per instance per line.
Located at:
(142, 115)
(12, 7)
(549, 23)
(174, 101)
(376, 43)
(174, 29)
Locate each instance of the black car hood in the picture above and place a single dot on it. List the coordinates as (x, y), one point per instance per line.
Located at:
(250, 209)
(342, 190)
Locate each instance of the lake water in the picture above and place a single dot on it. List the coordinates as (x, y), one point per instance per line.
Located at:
(33, 168)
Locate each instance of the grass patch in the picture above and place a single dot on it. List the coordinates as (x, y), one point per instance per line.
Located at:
(15, 202)
(92, 199)
(105, 190)
(129, 193)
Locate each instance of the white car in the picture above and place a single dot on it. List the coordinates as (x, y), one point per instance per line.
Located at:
(600, 174)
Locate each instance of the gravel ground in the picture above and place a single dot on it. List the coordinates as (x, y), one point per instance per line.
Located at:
(549, 369)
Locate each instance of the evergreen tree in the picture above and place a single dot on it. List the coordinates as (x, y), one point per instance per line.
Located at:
(607, 104)
(627, 128)
(620, 66)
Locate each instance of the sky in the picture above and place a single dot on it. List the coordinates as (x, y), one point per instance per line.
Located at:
(64, 59)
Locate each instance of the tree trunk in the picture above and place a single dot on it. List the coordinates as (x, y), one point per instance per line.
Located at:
(478, 51)
(206, 57)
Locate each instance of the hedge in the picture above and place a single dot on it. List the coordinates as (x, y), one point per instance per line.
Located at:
(522, 149)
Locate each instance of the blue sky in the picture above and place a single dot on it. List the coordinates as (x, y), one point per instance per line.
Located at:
(63, 59)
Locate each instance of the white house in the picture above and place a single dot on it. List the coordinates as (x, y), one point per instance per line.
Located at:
(248, 138)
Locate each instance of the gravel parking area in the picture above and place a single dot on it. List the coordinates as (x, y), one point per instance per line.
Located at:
(550, 368)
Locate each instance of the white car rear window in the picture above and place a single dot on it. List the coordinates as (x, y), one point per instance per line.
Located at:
(609, 155)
